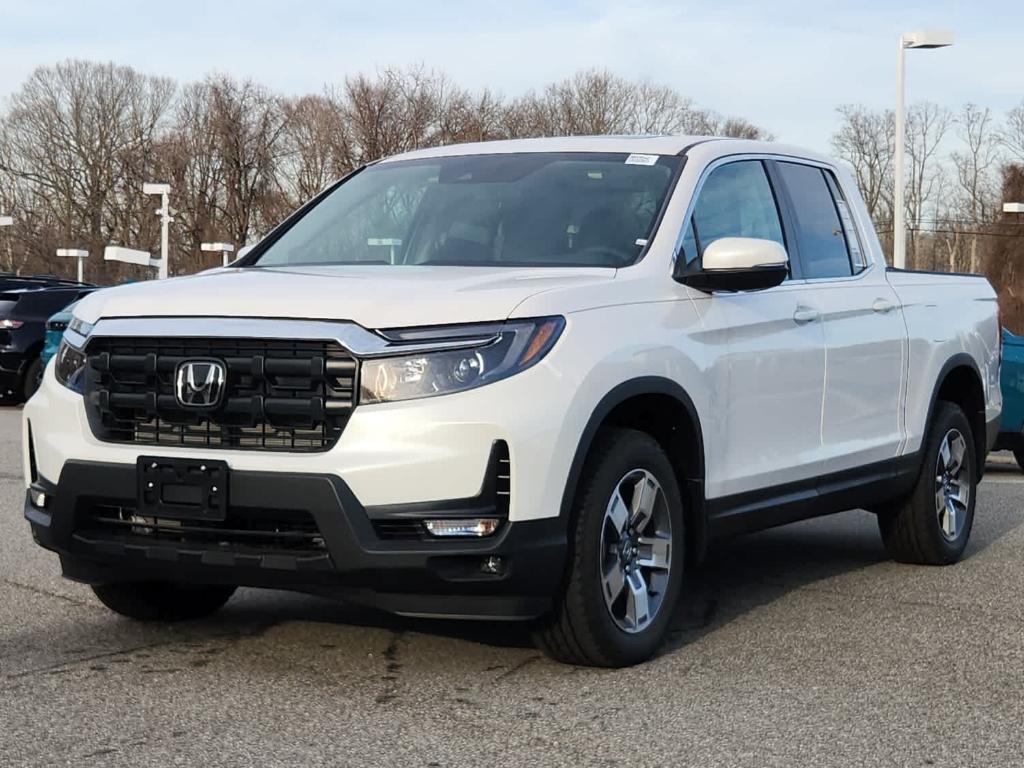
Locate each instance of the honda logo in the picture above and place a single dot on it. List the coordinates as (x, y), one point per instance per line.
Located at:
(200, 383)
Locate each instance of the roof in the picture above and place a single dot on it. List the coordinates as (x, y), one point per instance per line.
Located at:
(651, 145)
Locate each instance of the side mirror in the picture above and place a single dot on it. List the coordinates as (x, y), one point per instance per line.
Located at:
(738, 264)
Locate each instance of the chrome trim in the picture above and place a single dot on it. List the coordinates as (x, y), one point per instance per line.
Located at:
(354, 338)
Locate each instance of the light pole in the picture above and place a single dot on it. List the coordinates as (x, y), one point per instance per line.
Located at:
(75, 253)
(129, 256)
(224, 248)
(164, 212)
(8, 221)
(928, 38)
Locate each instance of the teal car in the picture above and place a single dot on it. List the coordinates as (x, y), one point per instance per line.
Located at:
(1011, 428)
(54, 333)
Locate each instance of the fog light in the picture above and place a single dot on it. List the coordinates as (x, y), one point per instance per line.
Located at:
(473, 526)
(492, 564)
(39, 498)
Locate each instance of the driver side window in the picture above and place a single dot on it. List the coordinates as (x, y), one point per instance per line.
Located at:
(735, 201)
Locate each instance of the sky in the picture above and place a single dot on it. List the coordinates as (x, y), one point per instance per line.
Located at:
(784, 64)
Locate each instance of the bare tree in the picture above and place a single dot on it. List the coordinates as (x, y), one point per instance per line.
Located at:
(865, 141)
(80, 135)
(927, 124)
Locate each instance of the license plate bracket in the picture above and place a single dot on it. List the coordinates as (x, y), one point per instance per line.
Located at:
(182, 489)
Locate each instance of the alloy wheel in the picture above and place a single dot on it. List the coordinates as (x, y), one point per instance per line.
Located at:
(636, 551)
(952, 485)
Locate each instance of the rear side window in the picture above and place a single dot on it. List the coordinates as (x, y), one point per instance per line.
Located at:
(736, 200)
(821, 232)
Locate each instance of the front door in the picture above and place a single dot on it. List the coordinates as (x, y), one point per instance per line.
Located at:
(763, 351)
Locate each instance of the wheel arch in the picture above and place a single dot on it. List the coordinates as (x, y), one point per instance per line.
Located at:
(642, 403)
(960, 382)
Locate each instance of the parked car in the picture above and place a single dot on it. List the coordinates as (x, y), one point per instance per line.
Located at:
(1011, 427)
(55, 327)
(517, 380)
(24, 309)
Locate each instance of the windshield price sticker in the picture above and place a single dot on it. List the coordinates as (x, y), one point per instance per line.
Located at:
(641, 160)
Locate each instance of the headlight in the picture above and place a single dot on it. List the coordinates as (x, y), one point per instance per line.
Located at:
(69, 366)
(80, 326)
(515, 347)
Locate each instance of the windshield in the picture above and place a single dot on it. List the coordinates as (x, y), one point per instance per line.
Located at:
(536, 209)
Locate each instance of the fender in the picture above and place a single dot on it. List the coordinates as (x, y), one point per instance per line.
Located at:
(693, 493)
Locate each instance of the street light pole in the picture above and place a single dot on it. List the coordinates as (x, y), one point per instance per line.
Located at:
(932, 38)
(226, 249)
(7, 221)
(164, 212)
(76, 253)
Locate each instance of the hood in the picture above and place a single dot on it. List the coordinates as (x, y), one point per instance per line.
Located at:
(372, 296)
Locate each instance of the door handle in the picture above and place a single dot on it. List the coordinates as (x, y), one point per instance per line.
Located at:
(804, 315)
(882, 306)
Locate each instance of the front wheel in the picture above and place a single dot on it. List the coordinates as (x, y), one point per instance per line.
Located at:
(932, 525)
(162, 601)
(33, 378)
(625, 566)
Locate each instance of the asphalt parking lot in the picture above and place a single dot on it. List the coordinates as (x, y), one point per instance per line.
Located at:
(799, 646)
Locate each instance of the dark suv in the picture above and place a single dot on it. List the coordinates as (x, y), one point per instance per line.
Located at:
(25, 305)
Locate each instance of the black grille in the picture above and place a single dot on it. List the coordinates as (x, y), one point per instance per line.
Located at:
(268, 539)
(280, 395)
(251, 530)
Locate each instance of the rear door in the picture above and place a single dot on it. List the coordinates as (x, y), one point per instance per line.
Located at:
(763, 351)
(865, 336)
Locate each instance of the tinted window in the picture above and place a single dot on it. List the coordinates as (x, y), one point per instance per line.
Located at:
(735, 201)
(857, 257)
(536, 209)
(819, 229)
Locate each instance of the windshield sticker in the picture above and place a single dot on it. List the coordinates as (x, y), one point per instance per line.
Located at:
(641, 160)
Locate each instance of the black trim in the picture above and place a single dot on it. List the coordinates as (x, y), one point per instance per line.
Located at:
(787, 219)
(981, 441)
(899, 270)
(422, 577)
(733, 280)
(861, 487)
(483, 504)
(644, 385)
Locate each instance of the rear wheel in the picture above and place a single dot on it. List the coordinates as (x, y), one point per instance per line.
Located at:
(626, 556)
(932, 525)
(1019, 456)
(162, 601)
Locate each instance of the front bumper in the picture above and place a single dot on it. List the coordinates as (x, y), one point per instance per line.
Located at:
(430, 577)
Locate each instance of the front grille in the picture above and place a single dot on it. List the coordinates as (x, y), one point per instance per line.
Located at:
(280, 395)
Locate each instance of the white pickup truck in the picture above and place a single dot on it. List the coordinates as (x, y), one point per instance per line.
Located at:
(526, 379)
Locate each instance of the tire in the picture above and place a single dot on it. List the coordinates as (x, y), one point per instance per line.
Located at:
(1019, 456)
(918, 530)
(33, 378)
(584, 627)
(162, 601)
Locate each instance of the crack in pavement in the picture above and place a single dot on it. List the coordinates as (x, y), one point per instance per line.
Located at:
(48, 593)
(230, 638)
(392, 669)
(517, 668)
